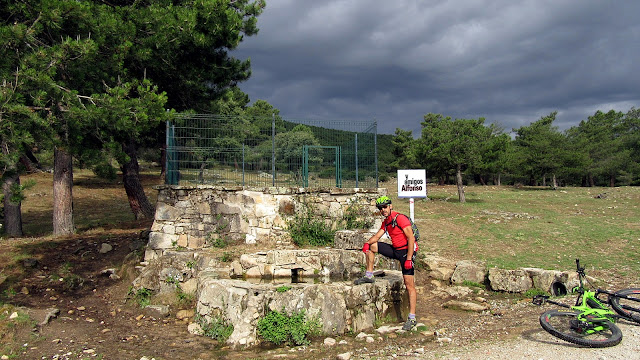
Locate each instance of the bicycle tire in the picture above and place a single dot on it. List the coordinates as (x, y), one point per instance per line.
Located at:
(558, 323)
(629, 309)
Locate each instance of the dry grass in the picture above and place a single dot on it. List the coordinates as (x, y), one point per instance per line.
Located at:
(533, 227)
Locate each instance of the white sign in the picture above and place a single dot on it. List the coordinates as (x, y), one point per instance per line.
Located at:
(412, 183)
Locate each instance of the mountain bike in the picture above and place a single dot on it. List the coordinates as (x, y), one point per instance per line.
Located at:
(590, 322)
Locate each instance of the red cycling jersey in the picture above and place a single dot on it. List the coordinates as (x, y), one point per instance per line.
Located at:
(398, 239)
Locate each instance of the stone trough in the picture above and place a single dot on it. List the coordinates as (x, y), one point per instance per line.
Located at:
(318, 281)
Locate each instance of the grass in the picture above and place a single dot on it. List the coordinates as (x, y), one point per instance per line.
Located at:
(533, 227)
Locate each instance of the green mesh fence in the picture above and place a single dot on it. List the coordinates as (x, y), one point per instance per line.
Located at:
(260, 151)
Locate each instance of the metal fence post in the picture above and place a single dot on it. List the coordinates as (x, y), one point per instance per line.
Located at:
(243, 164)
(375, 150)
(273, 150)
(356, 160)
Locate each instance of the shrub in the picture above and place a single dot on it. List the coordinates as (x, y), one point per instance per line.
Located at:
(307, 230)
(142, 296)
(218, 328)
(357, 216)
(279, 328)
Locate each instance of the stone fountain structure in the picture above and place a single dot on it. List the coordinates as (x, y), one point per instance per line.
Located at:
(318, 281)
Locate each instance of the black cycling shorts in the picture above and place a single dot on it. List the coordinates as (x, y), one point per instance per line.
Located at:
(389, 251)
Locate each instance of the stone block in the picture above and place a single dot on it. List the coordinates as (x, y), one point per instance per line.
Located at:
(473, 271)
(351, 239)
(515, 281)
(159, 240)
(167, 212)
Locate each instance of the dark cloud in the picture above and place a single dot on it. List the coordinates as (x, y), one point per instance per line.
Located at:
(394, 61)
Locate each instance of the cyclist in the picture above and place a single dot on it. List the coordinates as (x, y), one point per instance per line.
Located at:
(403, 248)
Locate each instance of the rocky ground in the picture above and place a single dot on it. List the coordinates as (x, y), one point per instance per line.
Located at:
(77, 298)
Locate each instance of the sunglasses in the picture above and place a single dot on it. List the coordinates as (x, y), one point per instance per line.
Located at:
(381, 207)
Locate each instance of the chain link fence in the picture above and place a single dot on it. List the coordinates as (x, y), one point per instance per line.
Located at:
(270, 151)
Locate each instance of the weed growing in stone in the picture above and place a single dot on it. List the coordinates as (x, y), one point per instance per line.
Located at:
(279, 328)
(217, 328)
(142, 296)
(306, 229)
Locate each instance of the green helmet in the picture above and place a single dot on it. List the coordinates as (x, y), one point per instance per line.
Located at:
(383, 200)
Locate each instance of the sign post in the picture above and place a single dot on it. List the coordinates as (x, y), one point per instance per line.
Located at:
(412, 183)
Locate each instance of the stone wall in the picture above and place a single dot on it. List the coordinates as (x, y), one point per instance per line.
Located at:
(191, 217)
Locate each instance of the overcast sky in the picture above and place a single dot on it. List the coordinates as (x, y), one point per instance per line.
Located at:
(508, 61)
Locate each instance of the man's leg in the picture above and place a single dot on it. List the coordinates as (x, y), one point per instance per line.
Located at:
(370, 260)
(409, 282)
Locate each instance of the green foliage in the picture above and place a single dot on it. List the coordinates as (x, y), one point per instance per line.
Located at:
(468, 283)
(217, 328)
(283, 288)
(142, 296)
(216, 240)
(226, 257)
(306, 229)
(104, 170)
(357, 216)
(279, 328)
(533, 292)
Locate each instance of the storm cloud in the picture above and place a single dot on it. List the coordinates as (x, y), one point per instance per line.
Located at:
(510, 62)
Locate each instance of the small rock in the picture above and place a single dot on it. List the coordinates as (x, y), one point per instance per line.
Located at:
(185, 314)
(81, 308)
(108, 272)
(194, 329)
(344, 356)
(343, 342)
(13, 315)
(24, 290)
(162, 310)
(105, 248)
(370, 340)
(50, 315)
(330, 341)
(139, 317)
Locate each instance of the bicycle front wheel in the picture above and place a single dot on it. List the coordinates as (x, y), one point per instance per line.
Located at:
(565, 325)
(628, 308)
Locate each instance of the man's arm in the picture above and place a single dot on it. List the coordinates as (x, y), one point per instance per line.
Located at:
(411, 240)
(376, 237)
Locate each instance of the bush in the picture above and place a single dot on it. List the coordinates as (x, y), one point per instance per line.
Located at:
(306, 230)
(218, 328)
(357, 216)
(279, 328)
(105, 171)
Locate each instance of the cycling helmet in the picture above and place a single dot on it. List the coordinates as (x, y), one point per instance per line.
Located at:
(383, 201)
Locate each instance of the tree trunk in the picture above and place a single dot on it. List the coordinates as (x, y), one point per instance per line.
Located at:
(62, 193)
(499, 182)
(554, 182)
(612, 181)
(12, 210)
(592, 183)
(140, 205)
(459, 182)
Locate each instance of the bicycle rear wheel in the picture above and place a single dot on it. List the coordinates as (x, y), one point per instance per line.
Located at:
(565, 325)
(628, 308)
